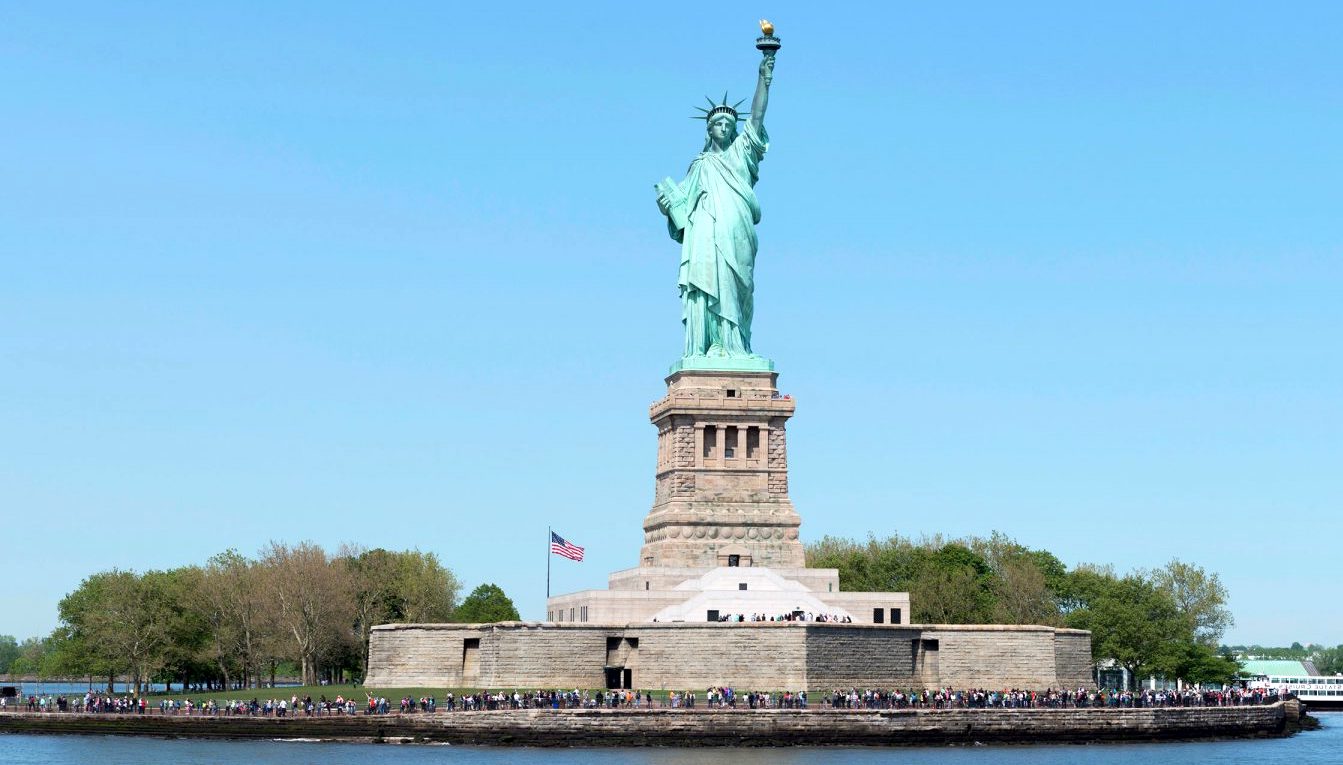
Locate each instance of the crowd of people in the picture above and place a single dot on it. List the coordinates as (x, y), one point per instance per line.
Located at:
(792, 616)
(575, 699)
(724, 697)
(717, 697)
(103, 703)
(950, 698)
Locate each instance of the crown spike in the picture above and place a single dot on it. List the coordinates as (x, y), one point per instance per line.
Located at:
(722, 108)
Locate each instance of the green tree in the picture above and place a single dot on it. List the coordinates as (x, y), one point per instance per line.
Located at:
(117, 622)
(184, 656)
(68, 656)
(75, 652)
(311, 603)
(1135, 624)
(9, 651)
(1053, 570)
(397, 587)
(951, 584)
(373, 573)
(970, 581)
(33, 660)
(1082, 586)
(1199, 596)
(1297, 652)
(1328, 661)
(427, 589)
(232, 602)
(1196, 662)
(947, 596)
(1025, 583)
(1166, 621)
(879, 565)
(486, 603)
(1022, 594)
(853, 561)
(1132, 621)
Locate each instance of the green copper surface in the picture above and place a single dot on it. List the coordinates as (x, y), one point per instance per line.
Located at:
(722, 364)
(712, 214)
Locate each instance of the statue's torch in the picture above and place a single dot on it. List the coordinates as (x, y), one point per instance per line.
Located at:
(767, 42)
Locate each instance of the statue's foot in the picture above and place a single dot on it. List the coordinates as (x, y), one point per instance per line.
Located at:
(716, 351)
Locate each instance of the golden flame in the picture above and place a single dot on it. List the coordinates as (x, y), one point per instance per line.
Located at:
(766, 27)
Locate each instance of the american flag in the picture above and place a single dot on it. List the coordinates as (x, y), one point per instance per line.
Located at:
(561, 546)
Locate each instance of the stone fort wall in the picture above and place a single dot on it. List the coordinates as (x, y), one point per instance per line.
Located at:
(699, 655)
(1072, 656)
(769, 655)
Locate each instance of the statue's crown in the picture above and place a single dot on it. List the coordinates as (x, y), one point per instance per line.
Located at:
(720, 108)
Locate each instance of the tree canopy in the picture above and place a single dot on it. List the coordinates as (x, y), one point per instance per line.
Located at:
(1166, 621)
(9, 652)
(486, 603)
(971, 581)
(236, 618)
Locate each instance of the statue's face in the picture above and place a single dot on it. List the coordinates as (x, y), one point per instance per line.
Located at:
(722, 130)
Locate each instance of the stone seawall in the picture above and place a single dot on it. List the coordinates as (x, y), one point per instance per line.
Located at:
(668, 727)
(760, 655)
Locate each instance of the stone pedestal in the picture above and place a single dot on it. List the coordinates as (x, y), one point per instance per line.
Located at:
(721, 542)
(722, 474)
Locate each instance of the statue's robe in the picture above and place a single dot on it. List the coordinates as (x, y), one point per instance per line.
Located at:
(718, 245)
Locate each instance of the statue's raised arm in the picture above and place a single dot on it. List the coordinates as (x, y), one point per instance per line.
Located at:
(761, 100)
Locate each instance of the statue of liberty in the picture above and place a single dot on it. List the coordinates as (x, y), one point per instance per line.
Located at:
(712, 213)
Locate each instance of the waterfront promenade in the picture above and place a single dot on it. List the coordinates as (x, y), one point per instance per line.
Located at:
(665, 726)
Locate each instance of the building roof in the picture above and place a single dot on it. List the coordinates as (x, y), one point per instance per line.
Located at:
(1279, 667)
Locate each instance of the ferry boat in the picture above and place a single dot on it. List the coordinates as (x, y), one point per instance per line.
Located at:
(1316, 691)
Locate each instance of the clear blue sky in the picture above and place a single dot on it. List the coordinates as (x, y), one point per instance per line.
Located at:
(395, 275)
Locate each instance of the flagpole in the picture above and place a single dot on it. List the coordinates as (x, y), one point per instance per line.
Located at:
(548, 533)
